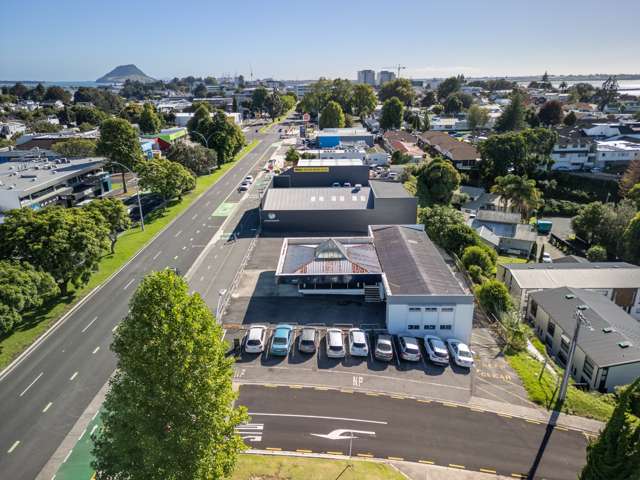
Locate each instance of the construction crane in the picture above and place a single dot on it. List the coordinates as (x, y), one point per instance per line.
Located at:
(397, 67)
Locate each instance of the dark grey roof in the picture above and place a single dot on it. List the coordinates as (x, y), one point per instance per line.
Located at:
(569, 265)
(383, 189)
(412, 263)
(571, 259)
(603, 348)
(324, 198)
(497, 217)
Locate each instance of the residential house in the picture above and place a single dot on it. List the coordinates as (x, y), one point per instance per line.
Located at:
(463, 155)
(504, 232)
(573, 150)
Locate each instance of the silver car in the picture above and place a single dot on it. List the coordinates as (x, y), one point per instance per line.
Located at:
(307, 340)
(384, 348)
(335, 343)
(409, 349)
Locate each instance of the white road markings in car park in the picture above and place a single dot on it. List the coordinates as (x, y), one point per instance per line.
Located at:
(13, 447)
(251, 432)
(197, 231)
(202, 278)
(31, 384)
(191, 239)
(75, 374)
(129, 283)
(48, 406)
(157, 255)
(89, 324)
(316, 417)
(96, 350)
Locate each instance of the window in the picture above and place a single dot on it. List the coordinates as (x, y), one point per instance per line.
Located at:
(430, 309)
(587, 368)
(445, 327)
(415, 309)
(429, 327)
(413, 327)
(447, 309)
(551, 328)
(534, 309)
(564, 344)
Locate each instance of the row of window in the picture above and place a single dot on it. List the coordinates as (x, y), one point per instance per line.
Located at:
(430, 309)
(430, 327)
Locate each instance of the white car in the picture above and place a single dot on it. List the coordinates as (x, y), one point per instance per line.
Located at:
(436, 350)
(409, 349)
(335, 343)
(248, 178)
(358, 343)
(546, 258)
(460, 353)
(256, 339)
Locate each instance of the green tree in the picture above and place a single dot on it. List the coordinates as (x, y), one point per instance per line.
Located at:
(399, 88)
(426, 121)
(448, 86)
(512, 117)
(570, 119)
(258, 99)
(392, 113)
(332, 116)
(477, 117)
(551, 113)
(55, 92)
(458, 237)
(521, 192)
(75, 147)
(630, 178)
(198, 159)
(499, 153)
(364, 100)
(438, 219)
(429, 99)
(452, 105)
(150, 122)
(274, 105)
(615, 455)
(634, 195)
(227, 138)
(437, 109)
(597, 253)
(476, 255)
(200, 91)
(631, 240)
(115, 214)
(169, 411)
(437, 181)
(65, 242)
(539, 143)
(42, 126)
(166, 178)
(119, 143)
(292, 156)
(608, 93)
(91, 115)
(494, 297)
(588, 222)
(22, 288)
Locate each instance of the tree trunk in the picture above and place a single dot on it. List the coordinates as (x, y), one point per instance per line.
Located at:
(114, 238)
(64, 287)
(124, 183)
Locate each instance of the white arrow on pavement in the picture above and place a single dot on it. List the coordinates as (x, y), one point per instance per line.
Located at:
(338, 434)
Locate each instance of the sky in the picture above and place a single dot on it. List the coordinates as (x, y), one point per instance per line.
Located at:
(69, 40)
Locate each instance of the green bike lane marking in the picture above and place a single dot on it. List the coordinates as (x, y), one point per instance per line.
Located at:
(77, 466)
(224, 209)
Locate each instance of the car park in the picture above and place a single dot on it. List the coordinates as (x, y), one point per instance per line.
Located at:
(460, 353)
(281, 340)
(409, 349)
(308, 340)
(335, 343)
(256, 339)
(358, 343)
(384, 348)
(436, 350)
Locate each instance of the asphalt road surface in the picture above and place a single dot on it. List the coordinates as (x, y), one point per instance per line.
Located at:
(320, 421)
(44, 394)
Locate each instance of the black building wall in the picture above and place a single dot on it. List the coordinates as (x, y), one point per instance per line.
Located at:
(303, 177)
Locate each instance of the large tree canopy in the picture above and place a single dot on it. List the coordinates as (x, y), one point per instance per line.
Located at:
(332, 116)
(437, 181)
(391, 116)
(400, 88)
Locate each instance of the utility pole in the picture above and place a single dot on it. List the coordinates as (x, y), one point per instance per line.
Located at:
(580, 319)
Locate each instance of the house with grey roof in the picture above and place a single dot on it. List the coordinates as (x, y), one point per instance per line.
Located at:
(608, 346)
(504, 232)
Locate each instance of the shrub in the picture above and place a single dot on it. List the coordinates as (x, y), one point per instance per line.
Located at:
(563, 208)
(477, 256)
(494, 297)
(597, 253)
(475, 272)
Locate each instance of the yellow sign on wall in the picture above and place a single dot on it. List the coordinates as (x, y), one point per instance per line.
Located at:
(311, 169)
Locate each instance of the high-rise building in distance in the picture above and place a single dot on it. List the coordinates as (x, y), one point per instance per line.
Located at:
(367, 76)
(385, 76)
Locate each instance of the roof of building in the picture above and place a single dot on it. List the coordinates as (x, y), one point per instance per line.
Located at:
(450, 147)
(328, 256)
(33, 153)
(384, 189)
(411, 263)
(571, 259)
(575, 275)
(607, 325)
(400, 136)
(320, 198)
(330, 162)
(343, 132)
(497, 217)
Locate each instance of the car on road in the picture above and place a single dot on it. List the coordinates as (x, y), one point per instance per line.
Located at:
(248, 178)
(243, 187)
(281, 340)
(256, 339)
(384, 348)
(460, 353)
(358, 343)
(436, 350)
(546, 258)
(335, 343)
(409, 349)
(308, 340)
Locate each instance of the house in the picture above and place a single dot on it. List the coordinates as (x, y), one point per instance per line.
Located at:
(617, 281)
(335, 137)
(448, 124)
(616, 153)
(377, 155)
(167, 137)
(463, 155)
(504, 232)
(607, 351)
(397, 264)
(10, 128)
(573, 150)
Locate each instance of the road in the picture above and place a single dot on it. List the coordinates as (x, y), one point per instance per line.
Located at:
(310, 420)
(44, 394)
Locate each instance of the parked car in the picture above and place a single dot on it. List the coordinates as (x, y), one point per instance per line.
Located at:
(256, 339)
(460, 352)
(546, 258)
(384, 348)
(308, 340)
(358, 343)
(335, 184)
(436, 350)
(335, 343)
(281, 340)
(409, 349)
(346, 184)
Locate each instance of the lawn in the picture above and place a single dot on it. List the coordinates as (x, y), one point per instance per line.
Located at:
(267, 467)
(503, 260)
(129, 243)
(544, 391)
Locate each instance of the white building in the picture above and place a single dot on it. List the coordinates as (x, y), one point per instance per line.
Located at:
(367, 77)
(448, 124)
(610, 153)
(573, 151)
(10, 128)
(182, 118)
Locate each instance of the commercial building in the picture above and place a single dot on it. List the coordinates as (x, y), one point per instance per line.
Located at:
(34, 154)
(397, 264)
(608, 348)
(504, 232)
(617, 281)
(46, 140)
(167, 137)
(367, 77)
(463, 155)
(66, 182)
(335, 137)
(385, 76)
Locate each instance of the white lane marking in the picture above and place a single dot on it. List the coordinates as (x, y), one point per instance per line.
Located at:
(202, 278)
(316, 417)
(178, 234)
(157, 255)
(73, 376)
(31, 384)
(114, 329)
(95, 351)
(191, 239)
(176, 257)
(47, 407)
(129, 283)
(67, 457)
(13, 447)
(89, 324)
(93, 430)
(184, 247)
(194, 217)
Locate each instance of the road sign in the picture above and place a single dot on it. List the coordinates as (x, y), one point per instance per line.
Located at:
(306, 117)
(339, 434)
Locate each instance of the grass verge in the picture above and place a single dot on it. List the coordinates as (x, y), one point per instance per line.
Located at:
(267, 467)
(542, 390)
(129, 243)
(503, 260)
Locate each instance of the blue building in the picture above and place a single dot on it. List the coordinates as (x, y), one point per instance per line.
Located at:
(335, 137)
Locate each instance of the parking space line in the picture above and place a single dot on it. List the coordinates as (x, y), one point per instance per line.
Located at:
(366, 455)
(426, 462)
(334, 453)
(275, 449)
(488, 470)
(455, 465)
(399, 459)
(300, 450)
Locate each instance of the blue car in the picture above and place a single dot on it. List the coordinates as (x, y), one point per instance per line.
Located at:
(281, 340)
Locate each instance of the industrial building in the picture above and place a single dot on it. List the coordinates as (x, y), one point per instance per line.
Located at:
(397, 264)
(336, 137)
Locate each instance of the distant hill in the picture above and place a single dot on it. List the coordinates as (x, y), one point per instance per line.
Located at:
(125, 72)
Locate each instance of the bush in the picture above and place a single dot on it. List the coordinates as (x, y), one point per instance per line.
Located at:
(476, 274)
(478, 256)
(494, 297)
(597, 253)
(562, 208)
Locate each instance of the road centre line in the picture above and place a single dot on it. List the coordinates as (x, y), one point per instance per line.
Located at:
(47, 407)
(96, 350)
(31, 384)
(178, 234)
(317, 417)
(129, 283)
(73, 376)
(89, 324)
(157, 255)
(13, 447)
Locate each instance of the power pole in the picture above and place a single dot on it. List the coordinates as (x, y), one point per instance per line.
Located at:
(580, 319)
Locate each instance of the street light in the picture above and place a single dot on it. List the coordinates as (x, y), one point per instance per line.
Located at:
(137, 193)
(580, 319)
(206, 139)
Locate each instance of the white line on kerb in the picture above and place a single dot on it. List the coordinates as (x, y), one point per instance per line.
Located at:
(316, 416)
(13, 447)
(89, 324)
(95, 351)
(157, 255)
(93, 430)
(176, 257)
(73, 376)
(113, 330)
(129, 283)
(47, 407)
(67, 457)
(31, 384)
